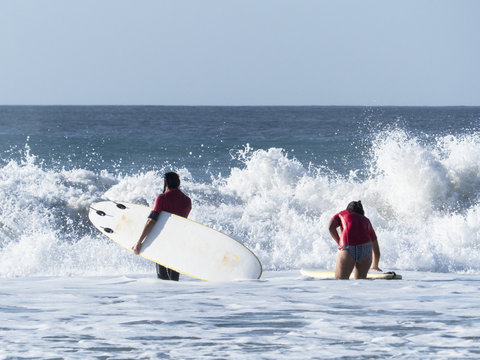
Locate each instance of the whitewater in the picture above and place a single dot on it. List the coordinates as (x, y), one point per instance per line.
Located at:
(69, 292)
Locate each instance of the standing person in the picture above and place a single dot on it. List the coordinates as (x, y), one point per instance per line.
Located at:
(357, 242)
(174, 201)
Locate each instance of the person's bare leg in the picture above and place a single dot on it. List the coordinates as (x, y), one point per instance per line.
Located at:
(344, 266)
(362, 267)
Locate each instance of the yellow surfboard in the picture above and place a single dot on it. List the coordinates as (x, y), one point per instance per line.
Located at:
(178, 243)
(326, 274)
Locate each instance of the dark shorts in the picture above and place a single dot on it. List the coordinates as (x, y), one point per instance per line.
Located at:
(165, 273)
(358, 252)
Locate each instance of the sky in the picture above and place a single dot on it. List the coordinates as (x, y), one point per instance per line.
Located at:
(240, 52)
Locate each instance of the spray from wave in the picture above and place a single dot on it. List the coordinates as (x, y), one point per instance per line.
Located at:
(420, 196)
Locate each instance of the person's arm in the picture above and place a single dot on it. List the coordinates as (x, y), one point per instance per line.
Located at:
(376, 255)
(146, 230)
(332, 228)
(152, 219)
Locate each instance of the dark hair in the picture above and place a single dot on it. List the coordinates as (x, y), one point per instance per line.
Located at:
(172, 180)
(356, 206)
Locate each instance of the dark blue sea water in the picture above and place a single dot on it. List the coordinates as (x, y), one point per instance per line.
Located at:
(203, 139)
(269, 176)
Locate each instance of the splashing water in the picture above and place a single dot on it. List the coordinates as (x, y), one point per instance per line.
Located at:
(420, 196)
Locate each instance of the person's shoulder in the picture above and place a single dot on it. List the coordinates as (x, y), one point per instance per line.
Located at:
(159, 201)
(176, 193)
(185, 196)
(161, 196)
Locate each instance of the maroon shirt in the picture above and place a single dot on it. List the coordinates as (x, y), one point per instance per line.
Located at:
(356, 229)
(174, 201)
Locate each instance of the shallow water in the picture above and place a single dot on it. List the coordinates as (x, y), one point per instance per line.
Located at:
(281, 316)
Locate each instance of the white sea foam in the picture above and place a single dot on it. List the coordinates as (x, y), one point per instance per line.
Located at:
(283, 316)
(420, 196)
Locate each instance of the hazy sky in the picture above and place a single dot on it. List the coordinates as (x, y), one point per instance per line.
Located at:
(245, 52)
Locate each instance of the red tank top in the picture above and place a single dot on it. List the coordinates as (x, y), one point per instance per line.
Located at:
(356, 229)
(174, 201)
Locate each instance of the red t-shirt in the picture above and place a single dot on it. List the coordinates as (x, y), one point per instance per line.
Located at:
(174, 201)
(356, 229)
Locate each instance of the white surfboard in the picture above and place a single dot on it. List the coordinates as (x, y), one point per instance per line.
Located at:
(326, 274)
(178, 243)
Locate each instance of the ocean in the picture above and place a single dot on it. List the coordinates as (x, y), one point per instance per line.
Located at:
(271, 177)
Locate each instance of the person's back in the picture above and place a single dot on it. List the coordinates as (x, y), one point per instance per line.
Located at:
(173, 201)
(356, 229)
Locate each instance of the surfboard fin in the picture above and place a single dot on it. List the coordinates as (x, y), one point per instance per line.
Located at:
(120, 206)
(98, 212)
(108, 230)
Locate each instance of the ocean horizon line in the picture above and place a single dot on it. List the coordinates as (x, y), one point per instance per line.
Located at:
(239, 106)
